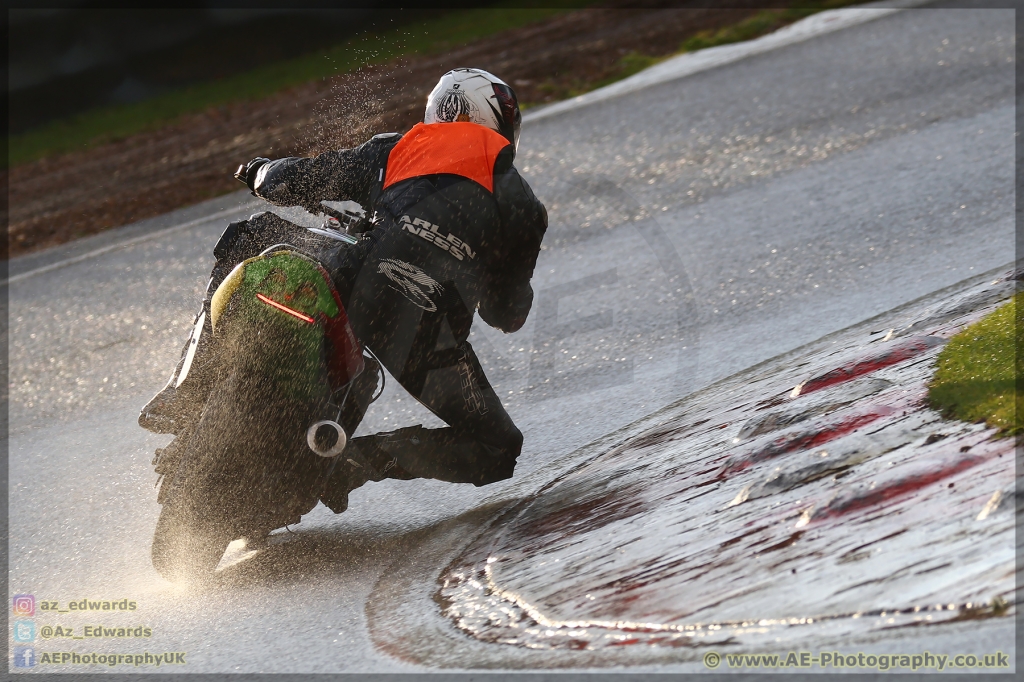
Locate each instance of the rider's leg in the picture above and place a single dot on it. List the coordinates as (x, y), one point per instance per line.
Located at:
(481, 444)
(417, 328)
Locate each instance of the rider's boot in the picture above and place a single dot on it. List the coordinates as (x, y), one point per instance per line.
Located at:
(360, 463)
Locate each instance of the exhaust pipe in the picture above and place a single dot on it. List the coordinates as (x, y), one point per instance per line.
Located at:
(326, 438)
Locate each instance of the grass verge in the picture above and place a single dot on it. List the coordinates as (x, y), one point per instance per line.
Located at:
(762, 23)
(758, 25)
(110, 123)
(981, 371)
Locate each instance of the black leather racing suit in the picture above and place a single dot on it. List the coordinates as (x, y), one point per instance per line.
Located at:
(442, 245)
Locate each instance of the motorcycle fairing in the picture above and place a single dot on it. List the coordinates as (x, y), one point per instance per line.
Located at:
(290, 280)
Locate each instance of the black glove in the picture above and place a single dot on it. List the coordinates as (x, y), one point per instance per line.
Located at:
(247, 172)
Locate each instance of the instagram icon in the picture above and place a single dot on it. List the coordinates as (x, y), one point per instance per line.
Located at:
(24, 605)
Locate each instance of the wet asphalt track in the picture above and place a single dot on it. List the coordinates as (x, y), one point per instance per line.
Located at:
(698, 227)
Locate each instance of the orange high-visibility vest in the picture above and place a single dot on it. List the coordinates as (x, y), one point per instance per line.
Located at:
(458, 148)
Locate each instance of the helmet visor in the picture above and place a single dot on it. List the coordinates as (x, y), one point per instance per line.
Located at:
(509, 117)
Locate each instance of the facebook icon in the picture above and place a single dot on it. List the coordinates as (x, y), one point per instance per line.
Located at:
(24, 657)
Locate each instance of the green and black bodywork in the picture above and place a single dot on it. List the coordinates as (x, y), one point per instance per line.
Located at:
(288, 302)
(285, 357)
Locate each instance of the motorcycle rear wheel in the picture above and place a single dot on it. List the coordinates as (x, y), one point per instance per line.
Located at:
(187, 546)
(194, 529)
(245, 470)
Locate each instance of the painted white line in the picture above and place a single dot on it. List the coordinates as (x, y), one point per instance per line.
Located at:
(120, 245)
(709, 58)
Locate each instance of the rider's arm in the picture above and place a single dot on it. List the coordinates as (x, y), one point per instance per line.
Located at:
(508, 296)
(341, 175)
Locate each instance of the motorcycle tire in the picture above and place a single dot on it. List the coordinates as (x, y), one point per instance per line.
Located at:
(195, 527)
(187, 547)
(235, 476)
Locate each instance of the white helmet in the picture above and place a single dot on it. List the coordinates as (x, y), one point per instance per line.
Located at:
(477, 96)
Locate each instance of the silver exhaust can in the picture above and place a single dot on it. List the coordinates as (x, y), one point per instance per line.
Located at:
(326, 438)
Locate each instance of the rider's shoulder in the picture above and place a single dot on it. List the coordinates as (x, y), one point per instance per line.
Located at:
(381, 144)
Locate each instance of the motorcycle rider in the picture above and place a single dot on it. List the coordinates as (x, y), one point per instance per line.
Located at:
(454, 230)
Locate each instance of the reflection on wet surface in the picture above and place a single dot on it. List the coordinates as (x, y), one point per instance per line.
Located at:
(892, 355)
(757, 513)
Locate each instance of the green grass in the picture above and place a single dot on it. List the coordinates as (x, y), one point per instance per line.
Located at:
(981, 371)
(109, 123)
(752, 27)
(761, 23)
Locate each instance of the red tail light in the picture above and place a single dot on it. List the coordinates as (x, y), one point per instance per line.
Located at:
(285, 309)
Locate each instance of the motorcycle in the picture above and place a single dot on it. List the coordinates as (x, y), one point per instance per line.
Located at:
(284, 384)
